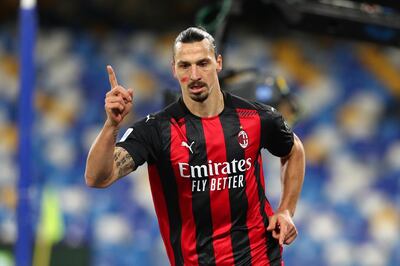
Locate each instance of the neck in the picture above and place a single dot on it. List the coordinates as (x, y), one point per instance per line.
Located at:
(212, 106)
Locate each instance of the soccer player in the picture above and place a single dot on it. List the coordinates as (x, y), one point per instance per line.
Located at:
(204, 163)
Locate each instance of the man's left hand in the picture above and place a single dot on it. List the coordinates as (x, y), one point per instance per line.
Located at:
(282, 227)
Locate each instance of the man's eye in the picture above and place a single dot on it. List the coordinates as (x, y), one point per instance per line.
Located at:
(203, 64)
(184, 66)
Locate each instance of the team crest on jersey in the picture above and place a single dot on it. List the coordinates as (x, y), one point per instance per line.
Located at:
(243, 139)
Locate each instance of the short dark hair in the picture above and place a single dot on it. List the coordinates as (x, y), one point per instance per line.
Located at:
(195, 34)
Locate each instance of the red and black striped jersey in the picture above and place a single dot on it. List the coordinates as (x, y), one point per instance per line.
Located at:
(207, 180)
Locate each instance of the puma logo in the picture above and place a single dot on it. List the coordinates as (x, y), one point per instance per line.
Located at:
(148, 117)
(184, 144)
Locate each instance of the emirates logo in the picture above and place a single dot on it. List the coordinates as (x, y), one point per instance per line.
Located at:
(243, 139)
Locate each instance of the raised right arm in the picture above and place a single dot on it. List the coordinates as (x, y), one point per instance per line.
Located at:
(105, 162)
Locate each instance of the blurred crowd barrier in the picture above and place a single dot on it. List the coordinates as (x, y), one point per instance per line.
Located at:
(348, 93)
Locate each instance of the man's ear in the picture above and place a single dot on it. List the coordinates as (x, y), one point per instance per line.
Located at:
(219, 63)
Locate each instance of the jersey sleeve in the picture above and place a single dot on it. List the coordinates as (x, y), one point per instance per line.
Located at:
(141, 140)
(276, 135)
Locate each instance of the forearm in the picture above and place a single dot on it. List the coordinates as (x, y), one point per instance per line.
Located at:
(292, 177)
(100, 160)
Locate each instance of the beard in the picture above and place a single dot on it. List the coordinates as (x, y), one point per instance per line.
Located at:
(201, 96)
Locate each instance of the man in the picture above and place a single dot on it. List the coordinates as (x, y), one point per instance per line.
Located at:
(204, 163)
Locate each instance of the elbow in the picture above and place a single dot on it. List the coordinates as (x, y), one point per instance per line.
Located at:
(90, 182)
(93, 182)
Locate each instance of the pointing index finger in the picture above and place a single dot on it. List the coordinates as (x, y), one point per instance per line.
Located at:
(112, 77)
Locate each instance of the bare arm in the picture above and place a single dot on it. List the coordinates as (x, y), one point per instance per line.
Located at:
(105, 162)
(292, 177)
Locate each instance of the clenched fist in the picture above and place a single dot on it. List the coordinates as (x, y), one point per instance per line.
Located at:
(118, 101)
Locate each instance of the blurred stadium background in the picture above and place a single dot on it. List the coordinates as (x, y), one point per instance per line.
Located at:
(331, 66)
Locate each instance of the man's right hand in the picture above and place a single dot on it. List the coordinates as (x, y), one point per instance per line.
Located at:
(118, 101)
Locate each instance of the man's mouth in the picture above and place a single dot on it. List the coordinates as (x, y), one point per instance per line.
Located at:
(196, 87)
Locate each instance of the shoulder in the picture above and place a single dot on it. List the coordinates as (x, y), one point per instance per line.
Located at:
(157, 118)
(241, 103)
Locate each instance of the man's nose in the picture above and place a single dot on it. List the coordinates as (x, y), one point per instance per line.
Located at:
(194, 74)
